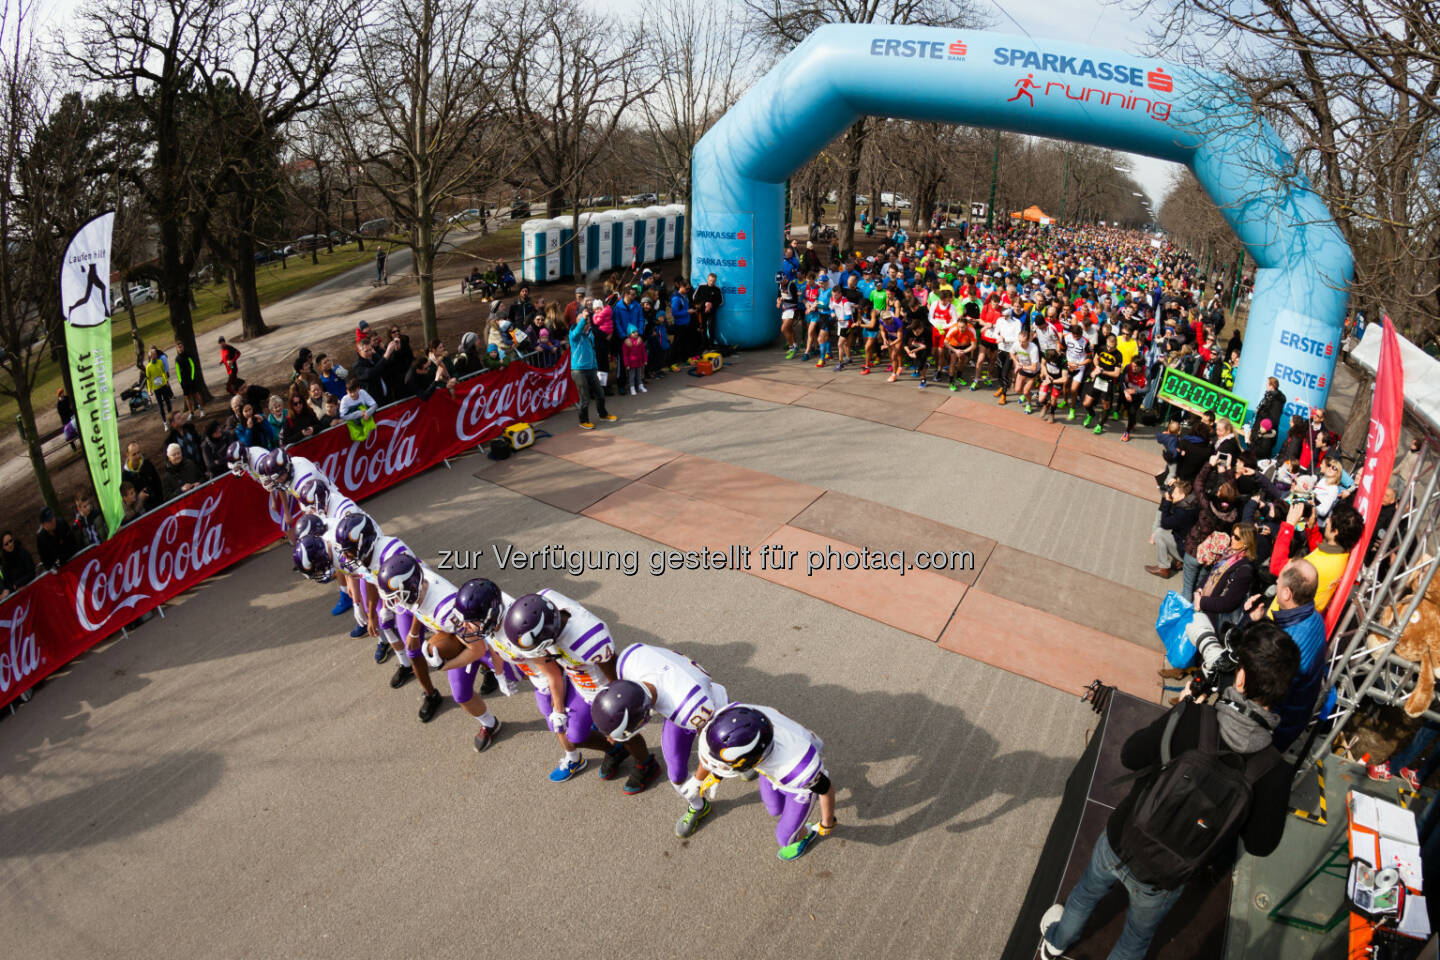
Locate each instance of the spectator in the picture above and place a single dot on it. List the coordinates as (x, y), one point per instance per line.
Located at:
(1222, 594)
(230, 360)
(187, 371)
(469, 359)
(398, 358)
(130, 502)
(1268, 662)
(90, 526)
(53, 541)
(632, 354)
(1227, 441)
(370, 369)
(332, 377)
(214, 446)
(603, 323)
(522, 311)
(1339, 535)
(1177, 513)
(626, 316)
(1271, 406)
(1193, 451)
(17, 567)
(362, 332)
(143, 475)
(1334, 486)
(379, 266)
(680, 319)
(357, 403)
(583, 369)
(304, 369)
(707, 302)
(181, 473)
(186, 435)
(548, 352)
(1294, 612)
(1220, 511)
(331, 415)
(1399, 763)
(157, 381)
(253, 430)
(425, 377)
(275, 417)
(316, 399)
(300, 422)
(65, 409)
(573, 308)
(493, 359)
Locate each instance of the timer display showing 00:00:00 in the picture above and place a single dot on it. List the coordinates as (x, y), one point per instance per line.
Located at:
(1207, 398)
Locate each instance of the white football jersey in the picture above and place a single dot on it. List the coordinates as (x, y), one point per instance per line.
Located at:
(302, 469)
(252, 462)
(436, 608)
(796, 760)
(385, 548)
(684, 693)
(583, 644)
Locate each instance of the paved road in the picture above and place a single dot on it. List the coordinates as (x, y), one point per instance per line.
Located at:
(237, 780)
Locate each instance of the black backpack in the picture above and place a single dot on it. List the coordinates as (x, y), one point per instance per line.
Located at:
(1192, 806)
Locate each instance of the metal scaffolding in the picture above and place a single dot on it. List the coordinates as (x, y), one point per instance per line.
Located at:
(1397, 578)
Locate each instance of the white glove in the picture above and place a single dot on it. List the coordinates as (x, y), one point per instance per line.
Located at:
(507, 686)
(557, 720)
(690, 789)
(432, 656)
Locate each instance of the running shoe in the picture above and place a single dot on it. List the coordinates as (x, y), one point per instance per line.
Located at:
(690, 822)
(1100, 427)
(610, 763)
(566, 770)
(954, 387)
(922, 383)
(382, 652)
(401, 676)
(864, 371)
(1029, 409)
(642, 389)
(429, 706)
(796, 850)
(586, 425)
(359, 631)
(790, 354)
(1089, 419)
(609, 416)
(1412, 780)
(820, 362)
(341, 605)
(1071, 414)
(1125, 437)
(642, 776)
(1052, 917)
(486, 736)
(891, 379)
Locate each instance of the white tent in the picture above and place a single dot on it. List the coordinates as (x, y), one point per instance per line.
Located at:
(1422, 373)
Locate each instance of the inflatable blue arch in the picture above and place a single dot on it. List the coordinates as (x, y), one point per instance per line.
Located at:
(1041, 87)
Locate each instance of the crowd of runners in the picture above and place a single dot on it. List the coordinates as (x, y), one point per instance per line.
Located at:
(1071, 322)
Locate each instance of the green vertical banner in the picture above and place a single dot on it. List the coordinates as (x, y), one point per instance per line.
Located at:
(85, 303)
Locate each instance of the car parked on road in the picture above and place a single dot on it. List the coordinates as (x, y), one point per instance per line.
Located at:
(465, 216)
(375, 228)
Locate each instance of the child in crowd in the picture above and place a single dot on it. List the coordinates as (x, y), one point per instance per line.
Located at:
(632, 354)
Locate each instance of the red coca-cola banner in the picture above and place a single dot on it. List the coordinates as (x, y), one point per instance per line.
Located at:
(167, 551)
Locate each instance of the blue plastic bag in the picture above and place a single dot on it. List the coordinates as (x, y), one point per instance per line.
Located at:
(1170, 623)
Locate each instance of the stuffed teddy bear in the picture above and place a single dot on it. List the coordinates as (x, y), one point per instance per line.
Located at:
(1419, 642)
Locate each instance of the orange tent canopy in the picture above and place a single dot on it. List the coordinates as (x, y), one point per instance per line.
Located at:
(1034, 214)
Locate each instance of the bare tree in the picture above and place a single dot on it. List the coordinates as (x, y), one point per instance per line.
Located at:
(576, 75)
(784, 24)
(418, 115)
(695, 49)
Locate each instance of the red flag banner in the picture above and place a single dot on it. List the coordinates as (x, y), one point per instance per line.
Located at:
(1386, 413)
(48, 623)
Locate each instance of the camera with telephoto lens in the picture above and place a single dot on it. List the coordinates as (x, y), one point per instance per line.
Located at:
(1218, 662)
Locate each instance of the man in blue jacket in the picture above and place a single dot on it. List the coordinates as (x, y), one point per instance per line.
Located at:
(584, 369)
(628, 316)
(680, 320)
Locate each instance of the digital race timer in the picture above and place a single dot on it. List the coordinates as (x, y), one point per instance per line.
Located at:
(1197, 396)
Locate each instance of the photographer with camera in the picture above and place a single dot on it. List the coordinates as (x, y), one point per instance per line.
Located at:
(1169, 826)
(1176, 515)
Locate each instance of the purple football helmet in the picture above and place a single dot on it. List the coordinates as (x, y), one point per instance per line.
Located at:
(356, 536)
(736, 739)
(237, 458)
(531, 625)
(312, 558)
(314, 494)
(620, 710)
(479, 606)
(309, 526)
(275, 469)
(399, 581)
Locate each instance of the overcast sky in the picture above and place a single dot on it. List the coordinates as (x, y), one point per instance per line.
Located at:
(1082, 21)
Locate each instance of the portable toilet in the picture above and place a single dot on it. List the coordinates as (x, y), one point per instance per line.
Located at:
(627, 251)
(533, 249)
(563, 252)
(585, 241)
(603, 252)
(651, 245)
(670, 233)
(679, 227)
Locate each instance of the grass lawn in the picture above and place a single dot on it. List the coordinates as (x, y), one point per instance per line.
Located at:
(153, 319)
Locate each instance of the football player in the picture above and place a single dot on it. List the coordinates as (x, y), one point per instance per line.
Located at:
(407, 584)
(364, 550)
(741, 738)
(656, 680)
(317, 496)
(568, 654)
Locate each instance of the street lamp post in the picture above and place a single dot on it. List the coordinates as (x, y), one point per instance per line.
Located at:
(994, 176)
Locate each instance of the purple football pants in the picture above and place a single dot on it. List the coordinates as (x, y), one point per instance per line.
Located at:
(577, 725)
(675, 744)
(792, 810)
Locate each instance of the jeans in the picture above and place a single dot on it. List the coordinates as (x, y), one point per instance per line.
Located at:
(1423, 740)
(588, 383)
(635, 375)
(1167, 552)
(1148, 905)
(1190, 578)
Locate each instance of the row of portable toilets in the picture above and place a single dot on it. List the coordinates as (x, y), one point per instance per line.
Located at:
(607, 240)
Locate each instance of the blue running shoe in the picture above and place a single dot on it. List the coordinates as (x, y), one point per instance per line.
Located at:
(359, 631)
(343, 604)
(566, 770)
